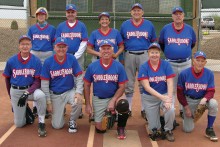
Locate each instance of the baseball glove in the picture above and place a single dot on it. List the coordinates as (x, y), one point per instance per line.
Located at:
(108, 120)
(29, 115)
(199, 112)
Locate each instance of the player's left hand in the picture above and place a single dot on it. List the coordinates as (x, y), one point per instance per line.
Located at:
(203, 101)
(78, 98)
(114, 56)
(111, 105)
(22, 99)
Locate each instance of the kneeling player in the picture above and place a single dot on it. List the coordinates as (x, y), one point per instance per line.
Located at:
(108, 77)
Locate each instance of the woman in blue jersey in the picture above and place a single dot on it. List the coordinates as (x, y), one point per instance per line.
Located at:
(156, 76)
(103, 33)
(42, 37)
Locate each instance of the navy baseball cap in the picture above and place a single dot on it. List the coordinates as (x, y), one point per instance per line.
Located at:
(104, 14)
(24, 37)
(137, 5)
(154, 45)
(106, 42)
(200, 54)
(71, 7)
(61, 40)
(175, 9)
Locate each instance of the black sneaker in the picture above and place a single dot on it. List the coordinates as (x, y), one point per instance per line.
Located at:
(181, 114)
(155, 134)
(169, 136)
(41, 130)
(210, 133)
(143, 114)
(35, 111)
(72, 126)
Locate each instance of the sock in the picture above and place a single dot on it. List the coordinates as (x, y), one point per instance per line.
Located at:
(211, 120)
(41, 118)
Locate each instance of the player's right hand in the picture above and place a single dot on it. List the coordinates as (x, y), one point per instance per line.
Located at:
(22, 99)
(167, 99)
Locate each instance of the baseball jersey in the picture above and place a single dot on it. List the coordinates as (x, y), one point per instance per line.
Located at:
(42, 38)
(196, 86)
(74, 35)
(177, 44)
(139, 37)
(105, 79)
(22, 72)
(157, 78)
(97, 36)
(60, 75)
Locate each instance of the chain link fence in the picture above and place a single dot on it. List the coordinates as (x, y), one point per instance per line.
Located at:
(210, 31)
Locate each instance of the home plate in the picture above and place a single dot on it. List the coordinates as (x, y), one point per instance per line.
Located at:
(132, 140)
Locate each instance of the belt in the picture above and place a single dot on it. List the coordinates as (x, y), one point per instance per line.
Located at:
(57, 93)
(100, 97)
(20, 87)
(179, 60)
(194, 98)
(135, 53)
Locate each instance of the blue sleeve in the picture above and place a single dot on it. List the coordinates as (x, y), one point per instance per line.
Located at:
(142, 73)
(7, 72)
(181, 80)
(168, 69)
(122, 76)
(211, 83)
(45, 72)
(161, 37)
(58, 31)
(154, 36)
(119, 38)
(84, 32)
(88, 75)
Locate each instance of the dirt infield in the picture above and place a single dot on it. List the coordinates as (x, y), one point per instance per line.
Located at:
(85, 137)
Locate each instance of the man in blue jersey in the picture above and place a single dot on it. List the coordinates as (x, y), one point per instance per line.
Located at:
(196, 87)
(57, 82)
(108, 78)
(22, 77)
(177, 40)
(137, 33)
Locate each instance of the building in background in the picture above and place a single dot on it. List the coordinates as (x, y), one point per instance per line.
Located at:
(13, 10)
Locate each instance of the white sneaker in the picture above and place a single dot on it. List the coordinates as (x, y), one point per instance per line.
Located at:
(72, 126)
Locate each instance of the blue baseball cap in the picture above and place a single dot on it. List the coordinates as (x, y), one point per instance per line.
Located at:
(154, 45)
(106, 42)
(104, 14)
(61, 40)
(71, 7)
(137, 5)
(175, 9)
(200, 54)
(24, 37)
(42, 11)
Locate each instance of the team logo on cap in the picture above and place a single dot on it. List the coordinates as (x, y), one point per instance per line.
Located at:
(62, 39)
(201, 53)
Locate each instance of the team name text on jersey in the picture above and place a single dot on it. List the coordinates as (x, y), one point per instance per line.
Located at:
(137, 34)
(41, 37)
(195, 86)
(157, 79)
(23, 72)
(71, 35)
(178, 41)
(61, 72)
(106, 78)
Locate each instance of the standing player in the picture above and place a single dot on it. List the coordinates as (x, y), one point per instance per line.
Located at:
(196, 86)
(108, 77)
(177, 40)
(105, 32)
(42, 37)
(137, 34)
(57, 82)
(76, 34)
(22, 77)
(156, 76)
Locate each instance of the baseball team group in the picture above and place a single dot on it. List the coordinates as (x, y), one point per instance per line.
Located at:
(49, 70)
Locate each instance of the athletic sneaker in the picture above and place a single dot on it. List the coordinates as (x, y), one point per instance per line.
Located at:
(210, 133)
(72, 126)
(41, 130)
(121, 133)
(169, 136)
